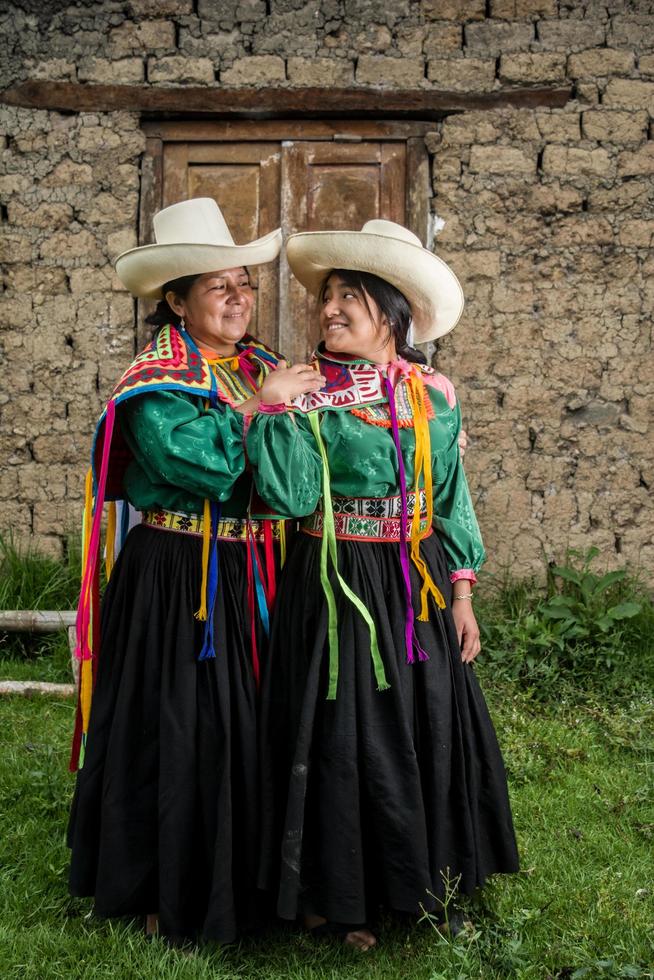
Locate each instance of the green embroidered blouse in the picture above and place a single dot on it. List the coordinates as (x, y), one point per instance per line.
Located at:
(184, 453)
(363, 463)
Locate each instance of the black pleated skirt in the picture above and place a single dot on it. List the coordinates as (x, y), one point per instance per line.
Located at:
(165, 811)
(376, 798)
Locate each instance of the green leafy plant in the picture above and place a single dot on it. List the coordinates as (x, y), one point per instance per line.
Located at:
(589, 609)
(583, 620)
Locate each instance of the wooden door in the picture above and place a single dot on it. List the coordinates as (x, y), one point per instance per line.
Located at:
(300, 176)
(332, 186)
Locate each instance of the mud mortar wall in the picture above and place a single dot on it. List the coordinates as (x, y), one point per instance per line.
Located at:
(548, 224)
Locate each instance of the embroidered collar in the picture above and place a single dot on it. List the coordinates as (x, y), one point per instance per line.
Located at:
(173, 362)
(353, 382)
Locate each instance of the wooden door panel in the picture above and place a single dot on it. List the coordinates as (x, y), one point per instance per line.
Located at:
(332, 186)
(243, 178)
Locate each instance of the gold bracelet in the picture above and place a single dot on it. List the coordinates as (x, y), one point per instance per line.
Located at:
(468, 595)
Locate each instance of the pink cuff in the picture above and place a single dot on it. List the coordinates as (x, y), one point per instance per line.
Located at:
(466, 573)
(277, 409)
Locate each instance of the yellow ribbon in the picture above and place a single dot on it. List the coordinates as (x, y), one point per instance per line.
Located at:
(422, 464)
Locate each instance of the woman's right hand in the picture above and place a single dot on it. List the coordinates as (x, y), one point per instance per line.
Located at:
(285, 384)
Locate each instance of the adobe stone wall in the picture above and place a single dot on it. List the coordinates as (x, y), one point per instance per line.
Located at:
(548, 223)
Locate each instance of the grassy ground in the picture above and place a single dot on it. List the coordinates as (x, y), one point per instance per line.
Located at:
(582, 906)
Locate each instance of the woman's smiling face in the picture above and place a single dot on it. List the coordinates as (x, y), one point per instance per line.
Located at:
(352, 323)
(217, 309)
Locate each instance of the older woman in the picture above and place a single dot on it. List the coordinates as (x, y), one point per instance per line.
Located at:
(164, 818)
(385, 780)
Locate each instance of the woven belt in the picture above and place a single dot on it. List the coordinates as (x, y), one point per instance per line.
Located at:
(368, 518)
(229, 528)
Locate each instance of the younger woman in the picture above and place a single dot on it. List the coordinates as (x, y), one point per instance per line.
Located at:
(383, 777)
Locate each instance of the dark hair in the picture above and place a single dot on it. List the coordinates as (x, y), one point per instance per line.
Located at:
(164, 313)
(391, 302)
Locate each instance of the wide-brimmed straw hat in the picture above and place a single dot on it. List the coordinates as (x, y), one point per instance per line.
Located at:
(393, 253)
(191, 238)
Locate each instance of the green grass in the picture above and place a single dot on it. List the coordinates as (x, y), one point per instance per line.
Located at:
(29, 580)
(580, 779)
(576, 733)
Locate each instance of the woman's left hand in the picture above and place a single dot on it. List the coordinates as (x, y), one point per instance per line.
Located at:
(467, 629)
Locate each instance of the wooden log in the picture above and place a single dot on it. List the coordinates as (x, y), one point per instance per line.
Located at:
(36, 620)
(28, 689)
(270, 102)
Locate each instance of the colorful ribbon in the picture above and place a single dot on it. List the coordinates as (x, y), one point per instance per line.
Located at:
(329, 548)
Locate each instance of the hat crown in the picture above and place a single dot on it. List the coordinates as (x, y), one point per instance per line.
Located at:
(389, 229)
(196, 222)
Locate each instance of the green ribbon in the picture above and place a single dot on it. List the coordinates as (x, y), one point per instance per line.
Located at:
(328, 547)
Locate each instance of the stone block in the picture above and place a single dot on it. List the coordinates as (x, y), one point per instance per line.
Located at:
(558, 125)
(442, 36)
(556, 198)
(375, 39)
(462, 74)
(48, 280)
(638, 233)
(570, 35)
(123, 71)
(181, 71)
(14, 184)
(492, 38)
(473, 263)
(68, 173)
(160, 8)
(532, 68)
(459, 10)
(632, 31)
(258, 69)
(613, 126)
(646, 64)
(67, 247)
(319, 72)
(53, 69)
(15, 247)
(91, 279)
(471, 127)
(574, 162)
(390, 72)
(523, 9)
(629, 93)
(360, 12)
(119, 241)
(632, 164)
(409, 41)
(148, 35)
(502, 160)
(600, 62)
(582, 230)
(39, 215)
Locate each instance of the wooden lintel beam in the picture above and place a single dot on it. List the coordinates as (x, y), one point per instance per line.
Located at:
(272, 102)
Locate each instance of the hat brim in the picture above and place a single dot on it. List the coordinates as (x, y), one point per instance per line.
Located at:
(144, 270)
(428, 283)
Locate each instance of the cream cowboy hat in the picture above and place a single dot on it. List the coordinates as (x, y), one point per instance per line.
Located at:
(191, 238)
(393, 253)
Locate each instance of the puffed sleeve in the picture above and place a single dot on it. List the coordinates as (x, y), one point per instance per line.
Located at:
(454, 514)
(178, 442)
(286, 465)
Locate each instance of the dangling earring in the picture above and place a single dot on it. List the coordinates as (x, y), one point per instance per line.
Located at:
(181, 323)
